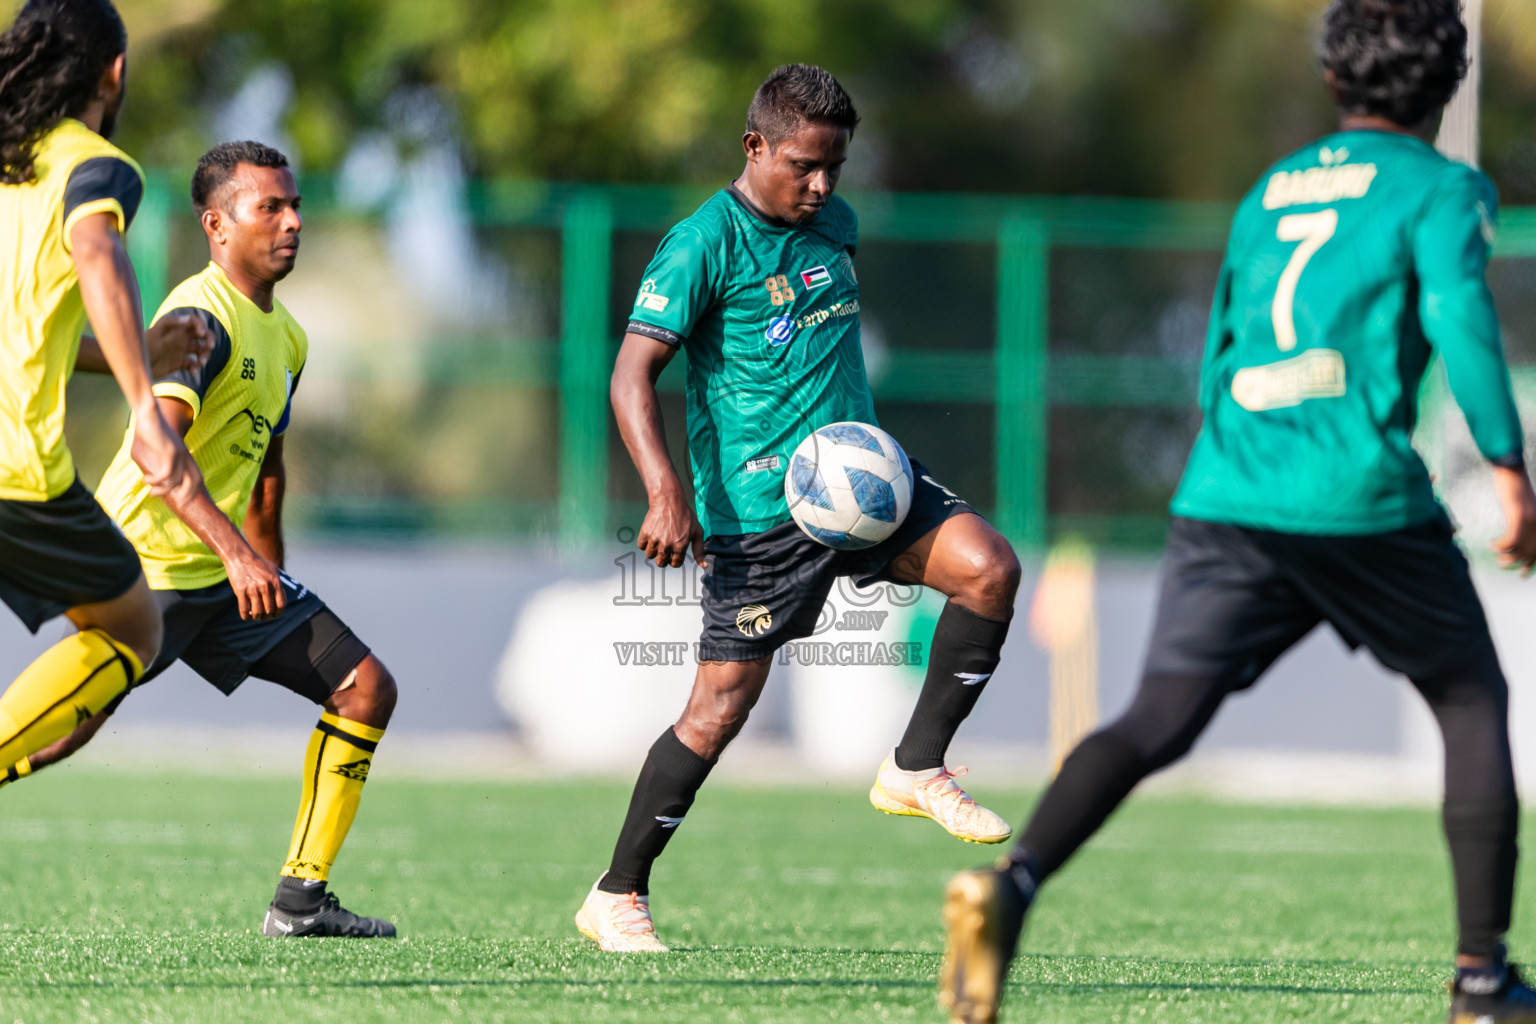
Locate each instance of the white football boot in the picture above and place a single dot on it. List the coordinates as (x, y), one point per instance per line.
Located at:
(619, 923)
(933, 793)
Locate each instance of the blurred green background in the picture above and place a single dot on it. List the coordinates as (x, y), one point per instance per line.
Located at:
(485, 181)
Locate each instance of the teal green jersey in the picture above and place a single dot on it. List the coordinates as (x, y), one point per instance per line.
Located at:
(768, 317)
(1349, 263)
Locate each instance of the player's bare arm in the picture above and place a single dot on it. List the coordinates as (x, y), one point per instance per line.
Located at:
(255, 580)
(264, 518)
(175, 342)
(670, 528)
(110, 293)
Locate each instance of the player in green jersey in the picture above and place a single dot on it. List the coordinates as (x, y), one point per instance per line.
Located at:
(758, 286)
(1350, 264)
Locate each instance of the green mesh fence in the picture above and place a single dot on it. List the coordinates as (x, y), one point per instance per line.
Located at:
(1040, 355)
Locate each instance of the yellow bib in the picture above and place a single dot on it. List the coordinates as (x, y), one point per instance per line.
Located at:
(239, 401)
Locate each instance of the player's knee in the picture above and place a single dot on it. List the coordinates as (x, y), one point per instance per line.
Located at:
(992, 580)
(141, 632)
(384, 692)
(1006, 572)
(374, 694)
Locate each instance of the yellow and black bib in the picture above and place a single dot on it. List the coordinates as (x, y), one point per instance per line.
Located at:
(76, 173)
(239, 400)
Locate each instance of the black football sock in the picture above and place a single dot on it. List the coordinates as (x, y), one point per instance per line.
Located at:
(961, 659)
(1020, 867)
(299, 895)
(1482, 841)
(669, 779)
(1481, 813)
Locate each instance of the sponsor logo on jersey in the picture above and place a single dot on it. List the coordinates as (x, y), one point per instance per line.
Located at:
(816, 277)
(754, 620)
(780, 329)
(762, 463)
(1316, 373)
(259, 423)
(821, 316)
(650, 299)
(355, 770)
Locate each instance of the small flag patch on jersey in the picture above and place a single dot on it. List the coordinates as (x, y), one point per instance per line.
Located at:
(816, 277)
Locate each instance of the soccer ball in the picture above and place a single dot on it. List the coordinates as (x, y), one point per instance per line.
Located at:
(849, 485)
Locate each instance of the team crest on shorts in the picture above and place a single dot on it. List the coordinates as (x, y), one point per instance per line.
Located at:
(754, 619)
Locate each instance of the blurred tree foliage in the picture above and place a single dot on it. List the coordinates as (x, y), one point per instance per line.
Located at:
(1178, 98)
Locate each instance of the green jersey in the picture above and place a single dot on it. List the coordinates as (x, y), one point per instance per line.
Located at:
(1348, 263)
(768, 316)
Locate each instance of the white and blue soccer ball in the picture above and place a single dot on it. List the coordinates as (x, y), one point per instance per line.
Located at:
(849, 485)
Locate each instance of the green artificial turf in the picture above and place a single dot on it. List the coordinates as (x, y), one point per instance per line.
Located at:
(137, 897)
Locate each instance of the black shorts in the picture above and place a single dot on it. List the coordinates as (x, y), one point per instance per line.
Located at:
(306, 649)
(60, 554)
(763, 590)
(1234, 599)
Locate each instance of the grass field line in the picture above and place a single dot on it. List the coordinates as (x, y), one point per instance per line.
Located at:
(1264, 776)
(134, 897)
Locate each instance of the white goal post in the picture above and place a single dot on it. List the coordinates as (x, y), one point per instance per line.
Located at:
(1459, 137)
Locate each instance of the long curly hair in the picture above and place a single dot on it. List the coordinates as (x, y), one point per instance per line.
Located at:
(1399, 59)
(51, 60)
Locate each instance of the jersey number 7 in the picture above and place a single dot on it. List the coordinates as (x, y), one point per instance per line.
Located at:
(1311, 230)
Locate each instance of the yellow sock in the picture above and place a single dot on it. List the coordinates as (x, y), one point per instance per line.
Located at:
(20, 770)
(335, 768)
(72, 680)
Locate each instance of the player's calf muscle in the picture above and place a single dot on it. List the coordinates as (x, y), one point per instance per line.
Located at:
(724, 694)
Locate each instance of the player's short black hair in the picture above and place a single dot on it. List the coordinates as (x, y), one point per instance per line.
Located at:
(1398, 59)
(51, 59)
(217, 166)
(795, 94)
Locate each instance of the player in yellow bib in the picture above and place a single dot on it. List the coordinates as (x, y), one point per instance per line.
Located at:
(230, 611)
(67, 195)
